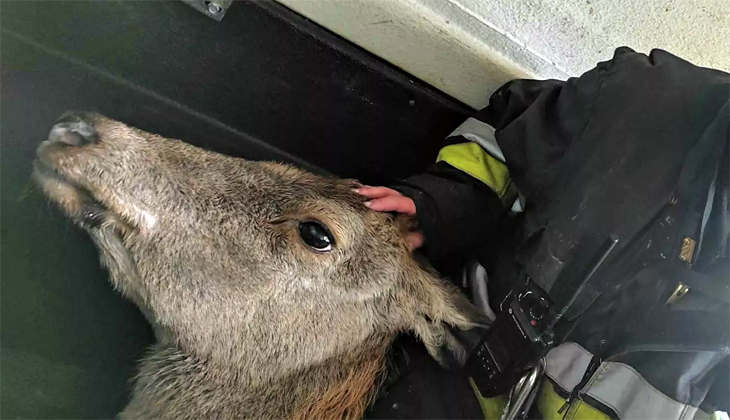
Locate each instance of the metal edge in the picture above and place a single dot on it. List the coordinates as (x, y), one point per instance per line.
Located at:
(214, 9)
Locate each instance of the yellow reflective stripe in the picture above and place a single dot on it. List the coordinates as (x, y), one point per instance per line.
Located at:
(549, 402)
(472, 159)
(491, 407)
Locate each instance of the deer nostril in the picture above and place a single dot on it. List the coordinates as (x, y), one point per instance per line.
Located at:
(74, 133)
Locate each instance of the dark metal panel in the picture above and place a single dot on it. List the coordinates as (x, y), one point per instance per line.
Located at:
(262, 70)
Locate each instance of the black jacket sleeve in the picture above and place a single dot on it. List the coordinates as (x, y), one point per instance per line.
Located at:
(536, 121)
(455, 211)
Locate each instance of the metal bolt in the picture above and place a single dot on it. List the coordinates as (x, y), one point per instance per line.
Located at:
(213, 8)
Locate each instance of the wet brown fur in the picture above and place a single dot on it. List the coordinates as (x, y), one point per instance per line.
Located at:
(348, 397)
(250, 322)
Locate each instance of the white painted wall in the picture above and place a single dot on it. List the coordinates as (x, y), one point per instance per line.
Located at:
(575, 34)
(468, 48)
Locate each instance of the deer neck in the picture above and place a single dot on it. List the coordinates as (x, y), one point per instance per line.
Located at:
(173, 384)
(341, 388)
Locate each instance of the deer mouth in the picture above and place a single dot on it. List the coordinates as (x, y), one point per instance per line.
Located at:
(75, 200)
(71, 134)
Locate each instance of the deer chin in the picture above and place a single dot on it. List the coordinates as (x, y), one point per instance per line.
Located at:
(77, 201)
(105, 227)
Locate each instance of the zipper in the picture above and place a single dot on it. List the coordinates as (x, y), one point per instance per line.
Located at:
(590, 370)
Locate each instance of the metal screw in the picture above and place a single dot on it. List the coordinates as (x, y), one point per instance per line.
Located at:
(213, 8)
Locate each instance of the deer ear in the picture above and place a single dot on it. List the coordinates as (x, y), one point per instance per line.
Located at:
(446, 322)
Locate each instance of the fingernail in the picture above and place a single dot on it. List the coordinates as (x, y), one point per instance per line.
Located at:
(356, 190)
(368, 203)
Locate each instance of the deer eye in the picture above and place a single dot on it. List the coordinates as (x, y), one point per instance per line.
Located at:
(316, 236)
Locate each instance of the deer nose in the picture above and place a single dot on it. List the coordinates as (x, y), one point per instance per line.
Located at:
(74, 129)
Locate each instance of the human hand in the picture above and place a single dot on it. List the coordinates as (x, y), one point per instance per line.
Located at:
(386, 199)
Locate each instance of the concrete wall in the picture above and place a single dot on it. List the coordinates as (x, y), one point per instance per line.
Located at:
(467, 48)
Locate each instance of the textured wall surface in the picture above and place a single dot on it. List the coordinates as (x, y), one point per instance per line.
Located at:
(467, 48)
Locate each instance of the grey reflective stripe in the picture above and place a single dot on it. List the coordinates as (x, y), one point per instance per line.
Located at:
(627, 393)
(616, 385)
(566, 364)
(481, 134)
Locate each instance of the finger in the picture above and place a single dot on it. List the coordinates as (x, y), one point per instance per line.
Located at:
(414, 240)
(377, 192)
(397, 204)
